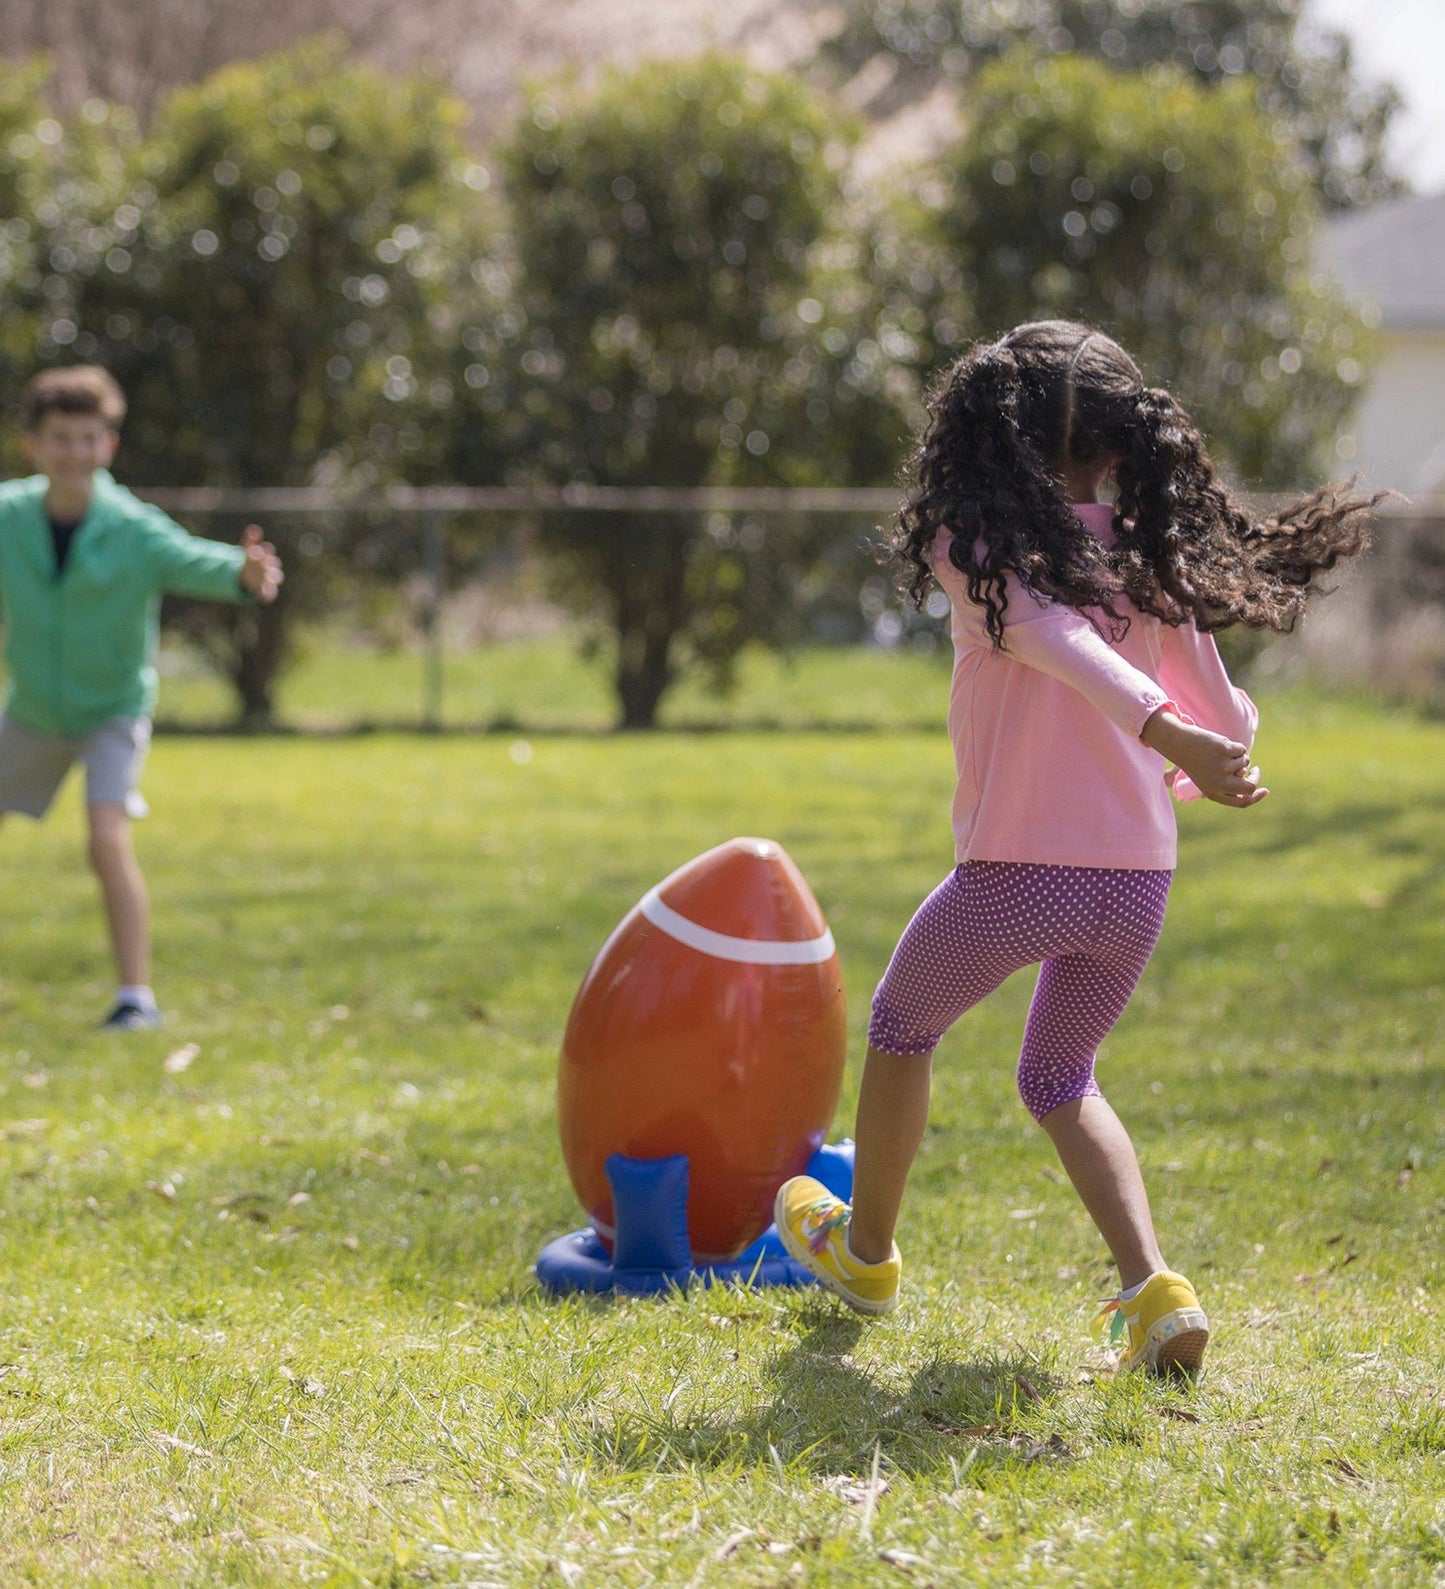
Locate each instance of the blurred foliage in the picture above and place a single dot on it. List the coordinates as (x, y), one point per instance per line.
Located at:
(302, 275)
(695, 308)
(1177, 218)
(271, 273)
(271, 294)
(29, 137)
(1309, 83)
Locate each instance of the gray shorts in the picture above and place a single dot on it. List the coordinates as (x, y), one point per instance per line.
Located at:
(33, 765)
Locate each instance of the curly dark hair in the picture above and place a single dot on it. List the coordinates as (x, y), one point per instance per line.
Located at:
(1012, 416)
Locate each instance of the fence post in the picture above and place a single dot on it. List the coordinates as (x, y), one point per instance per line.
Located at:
(434, 563)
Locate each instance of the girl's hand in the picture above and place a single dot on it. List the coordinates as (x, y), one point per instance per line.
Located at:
(1218, 767)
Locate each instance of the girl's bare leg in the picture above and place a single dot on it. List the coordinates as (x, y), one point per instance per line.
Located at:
(1095, 1149)
(892, 1117)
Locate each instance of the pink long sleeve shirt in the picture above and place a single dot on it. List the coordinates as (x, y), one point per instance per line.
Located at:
(1046, 732)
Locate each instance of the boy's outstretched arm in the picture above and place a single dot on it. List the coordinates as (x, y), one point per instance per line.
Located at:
(261, 574)
(190, 565)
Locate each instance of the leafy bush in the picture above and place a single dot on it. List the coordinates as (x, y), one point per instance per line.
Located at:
(1178, 218)
(697, 310)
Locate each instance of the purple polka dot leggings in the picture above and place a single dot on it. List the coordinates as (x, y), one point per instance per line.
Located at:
(1093, 929)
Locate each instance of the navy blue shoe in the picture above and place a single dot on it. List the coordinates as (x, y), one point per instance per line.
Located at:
(131, 1018)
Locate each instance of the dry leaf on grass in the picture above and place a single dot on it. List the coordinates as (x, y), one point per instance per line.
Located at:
(857, 1492)
(171, 1443)
(732, 1544)
(307, 1384)
(16, 1128)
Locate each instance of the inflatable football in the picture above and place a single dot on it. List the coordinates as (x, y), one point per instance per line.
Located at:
(711, 1025)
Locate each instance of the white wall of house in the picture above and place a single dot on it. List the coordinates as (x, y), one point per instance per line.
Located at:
(1399, 427)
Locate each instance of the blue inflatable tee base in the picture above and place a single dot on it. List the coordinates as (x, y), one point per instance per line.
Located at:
(652, 1252)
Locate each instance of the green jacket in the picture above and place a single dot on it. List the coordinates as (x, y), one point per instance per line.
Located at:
(81, 646)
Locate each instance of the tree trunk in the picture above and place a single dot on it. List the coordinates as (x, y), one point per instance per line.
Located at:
(643, 677)
(260, 650)
(650, 611)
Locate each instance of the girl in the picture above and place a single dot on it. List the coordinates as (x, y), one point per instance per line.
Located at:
(1085, 670)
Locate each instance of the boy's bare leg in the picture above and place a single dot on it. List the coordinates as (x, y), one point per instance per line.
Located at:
(1095, 1149)
(892, 1117)
(127, 905)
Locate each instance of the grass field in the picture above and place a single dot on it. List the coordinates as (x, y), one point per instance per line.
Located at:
(268, 1319)
(547, 686)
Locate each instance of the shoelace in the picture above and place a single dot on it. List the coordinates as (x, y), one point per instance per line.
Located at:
(826, 1224)
(1110, 1320)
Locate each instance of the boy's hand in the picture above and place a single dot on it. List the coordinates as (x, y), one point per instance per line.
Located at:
(1219, 768)
(261, 572)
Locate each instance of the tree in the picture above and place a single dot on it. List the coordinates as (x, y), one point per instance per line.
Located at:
(1178, 218)
(28, 139)
(692, 309)
(271, 275)
(136, 52)
(1340, 122)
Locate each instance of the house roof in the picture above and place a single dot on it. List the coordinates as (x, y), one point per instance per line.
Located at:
(1393, 255)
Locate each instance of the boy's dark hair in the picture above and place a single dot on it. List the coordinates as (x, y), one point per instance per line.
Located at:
(76, 389)
(1011, 415)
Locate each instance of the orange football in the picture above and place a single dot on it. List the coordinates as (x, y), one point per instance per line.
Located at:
(712, 1023)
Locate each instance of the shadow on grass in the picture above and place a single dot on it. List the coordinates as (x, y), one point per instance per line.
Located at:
(1341, 822)
(833, 1416)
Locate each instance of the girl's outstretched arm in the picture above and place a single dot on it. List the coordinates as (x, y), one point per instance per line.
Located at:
(1058, 641)
(1215, 767)
(1062, 643)
(1193, 672)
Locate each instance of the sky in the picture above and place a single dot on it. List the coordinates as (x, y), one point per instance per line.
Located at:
(1403, 41)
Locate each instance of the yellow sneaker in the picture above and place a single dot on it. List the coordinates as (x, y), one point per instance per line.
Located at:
(813, 1227)
(1167, 1329)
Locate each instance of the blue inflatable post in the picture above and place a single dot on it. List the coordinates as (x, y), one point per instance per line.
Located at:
(652, 1252)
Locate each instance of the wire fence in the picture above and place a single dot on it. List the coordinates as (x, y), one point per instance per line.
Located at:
(434, 545)
(1384, 629)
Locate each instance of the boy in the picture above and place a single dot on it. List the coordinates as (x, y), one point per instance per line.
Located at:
(83, 565)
